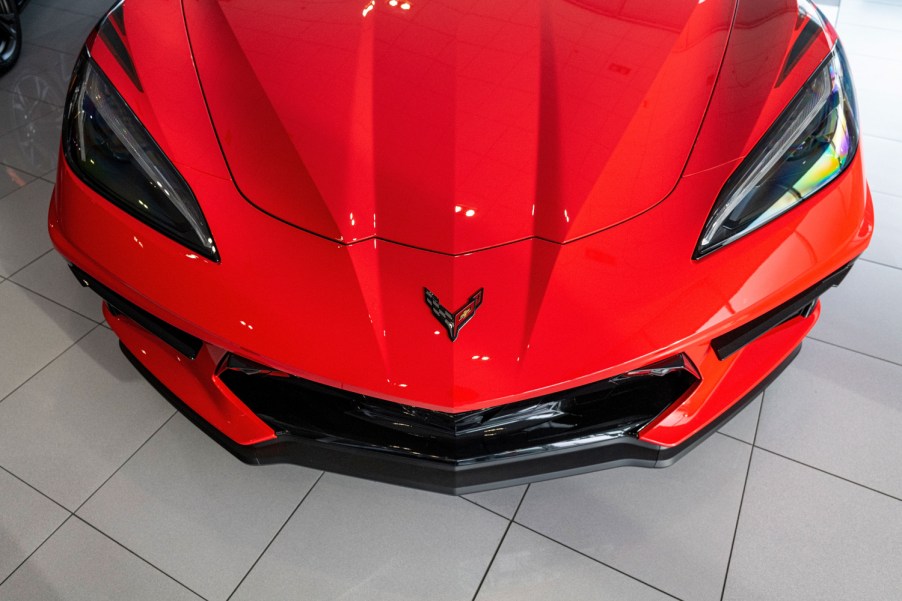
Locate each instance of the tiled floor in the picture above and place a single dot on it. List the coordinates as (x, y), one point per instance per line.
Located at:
(107, 493)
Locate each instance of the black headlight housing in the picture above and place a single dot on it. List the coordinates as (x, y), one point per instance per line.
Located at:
(108, 148)
(807, 147)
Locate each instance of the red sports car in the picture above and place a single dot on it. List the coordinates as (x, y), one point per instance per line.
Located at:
(461, 245)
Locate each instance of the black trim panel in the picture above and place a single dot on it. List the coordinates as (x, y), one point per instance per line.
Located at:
(181, 341)
(449, 478)
(802, 304)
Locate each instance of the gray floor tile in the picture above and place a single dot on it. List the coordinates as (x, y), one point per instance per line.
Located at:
(93, 8)
(12, 179)
(41, 73)
(886, 245)
(34, 147)
(54, 28)
(23, 226)
(93, 406)
(26, 520)
(745, 423)
(50, 277)
(17, 110)
(531, 567)
(354, 539)
(80, 564)
(503, 500)
(192, 509)
(838, 411)
(671, 528)
(863, 313)
(34, 331)
(804, 535)
(881, 159)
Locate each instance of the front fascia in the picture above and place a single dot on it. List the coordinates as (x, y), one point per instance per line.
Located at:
(555, 316)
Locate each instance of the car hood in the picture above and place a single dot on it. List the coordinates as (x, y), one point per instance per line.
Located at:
(455, 128)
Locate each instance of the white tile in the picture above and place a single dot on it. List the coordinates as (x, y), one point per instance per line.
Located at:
(671, 528)
(27, 518)
(838, 411)
(195, 511)
(886, 245)
(882, 158)
(871, 13)
(864, 42)
(80, 564)
(805, 535)
(503, 501)
(529, 567)
(50, 276)
(744, 424)
(354, 539)
(23, 226)
(878, 87)
(863, 314)
(34, 331)
(71, 426)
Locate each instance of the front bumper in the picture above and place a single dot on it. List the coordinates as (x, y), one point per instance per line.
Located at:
(448, 477)
(751, 368)
(668, 306)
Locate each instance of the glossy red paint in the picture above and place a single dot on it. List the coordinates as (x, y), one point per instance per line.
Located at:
(545, 119)
(406, 131)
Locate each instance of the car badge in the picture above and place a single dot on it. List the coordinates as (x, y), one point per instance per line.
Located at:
(453, 322)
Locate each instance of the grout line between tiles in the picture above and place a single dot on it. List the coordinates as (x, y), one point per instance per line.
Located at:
(127, 459)
(851, 350)
(730, 436)
(598, 561)
(101, 532)
(23, 562)
(823, 471)
(25, 482)
(275, 536)
(27, 380)
(745, 483)
(879, 263)
(29, 264)
(55, 302)
(510, 521)
(492, 511)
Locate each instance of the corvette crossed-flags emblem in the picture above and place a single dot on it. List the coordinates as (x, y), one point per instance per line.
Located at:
(453, 322)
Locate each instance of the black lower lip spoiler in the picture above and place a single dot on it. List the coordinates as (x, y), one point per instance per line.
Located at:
(442, 477)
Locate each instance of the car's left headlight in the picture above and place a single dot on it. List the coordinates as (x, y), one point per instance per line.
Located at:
(810, 144)
(111, 151)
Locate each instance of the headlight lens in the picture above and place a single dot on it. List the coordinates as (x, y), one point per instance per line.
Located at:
(109, 148)
(807, 147)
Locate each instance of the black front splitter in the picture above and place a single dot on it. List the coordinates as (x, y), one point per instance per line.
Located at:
(447, 477)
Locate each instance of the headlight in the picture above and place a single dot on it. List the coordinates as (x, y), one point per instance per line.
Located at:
(805, 149)
(110, 150)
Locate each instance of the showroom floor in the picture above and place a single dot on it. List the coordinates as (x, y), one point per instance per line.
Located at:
(107, 493)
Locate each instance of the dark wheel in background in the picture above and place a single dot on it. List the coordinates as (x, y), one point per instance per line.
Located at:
(10, 34)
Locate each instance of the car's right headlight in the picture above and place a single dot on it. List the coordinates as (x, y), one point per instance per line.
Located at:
(110, 150)
(809, 145)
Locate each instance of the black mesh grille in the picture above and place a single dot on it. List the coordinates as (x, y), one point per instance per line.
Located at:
(612, 408)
